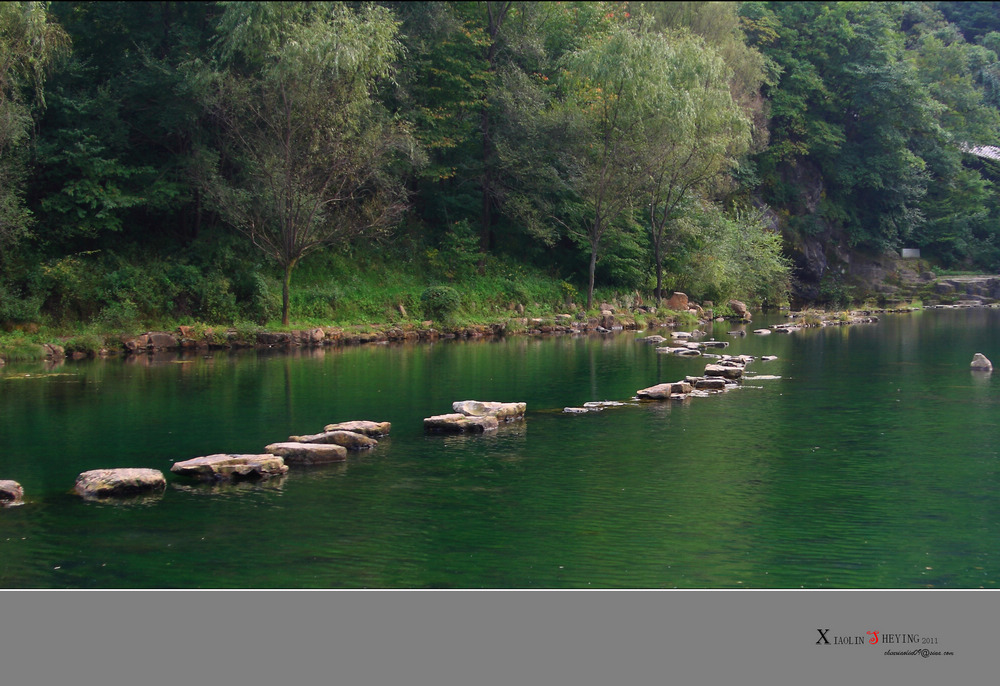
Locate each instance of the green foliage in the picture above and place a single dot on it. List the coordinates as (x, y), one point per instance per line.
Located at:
(440, 302)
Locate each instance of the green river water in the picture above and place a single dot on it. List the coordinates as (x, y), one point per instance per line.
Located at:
(870, 462)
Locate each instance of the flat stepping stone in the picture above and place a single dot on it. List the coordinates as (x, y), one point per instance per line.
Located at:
(348, 439)
(580, 410)
(223, 467)
(11, 493)
(502, 411)
(665, 391)
(294, 453)
(762, 332)
(363, 426)
(114, 483)
(725, 371)
(460, 423)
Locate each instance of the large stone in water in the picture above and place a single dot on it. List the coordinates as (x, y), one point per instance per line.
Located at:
(460, 423)
(308, 453)
(502, 411)
(362, 426)
(348, 439)
(664, 391)
(113, 483)
(980, 363)
(224, 467)
(11, 493)
(723, 371)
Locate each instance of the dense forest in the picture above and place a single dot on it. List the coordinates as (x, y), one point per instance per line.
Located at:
(226, 162)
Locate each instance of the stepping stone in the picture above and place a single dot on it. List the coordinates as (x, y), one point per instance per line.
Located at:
(362, 426)
(460, 423)
(664, 391)
(11, 493)
(295, 453)
(348, 439)
(502, 411)
(223, 467)
(112, 483)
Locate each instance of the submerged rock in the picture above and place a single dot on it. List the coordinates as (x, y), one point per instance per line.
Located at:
(295, 453)
(113, 483)
(980, 363)
(460, 423)
(223, 467)
(362, 426)
(348, 439)
(502, 411)
(581, 410)
(11, 493)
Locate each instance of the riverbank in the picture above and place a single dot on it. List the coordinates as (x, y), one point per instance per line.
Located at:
(612, 317)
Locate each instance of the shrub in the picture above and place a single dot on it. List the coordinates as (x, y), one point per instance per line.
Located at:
(440, 302)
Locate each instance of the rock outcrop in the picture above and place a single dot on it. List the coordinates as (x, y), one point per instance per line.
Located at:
(223, 467)
(113, 483)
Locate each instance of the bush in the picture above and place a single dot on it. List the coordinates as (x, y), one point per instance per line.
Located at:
(440, 302)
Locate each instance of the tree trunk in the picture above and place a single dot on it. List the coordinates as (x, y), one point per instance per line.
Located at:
(284, 292)
(590, 283)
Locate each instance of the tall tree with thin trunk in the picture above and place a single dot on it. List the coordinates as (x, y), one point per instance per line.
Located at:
(697, 134)
(308, 148)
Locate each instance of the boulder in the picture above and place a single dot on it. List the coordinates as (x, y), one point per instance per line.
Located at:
(363, 426)
(502, 411)
(160, 340)
(348, 439)
(762, 332)
(653, 339)
(222, 467)
(740, 309)
(11, 493)
(678, 302)
(725, 371)
(295, 453)
(460, 423)
(664, 391)
(980, 363)
(109, 483)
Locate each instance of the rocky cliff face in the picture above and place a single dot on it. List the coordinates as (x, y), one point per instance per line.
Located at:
(826, 269)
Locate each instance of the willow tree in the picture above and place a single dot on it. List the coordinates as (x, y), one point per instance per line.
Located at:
(309, 149)
(29, 43)
(610, 98)
(697, 134)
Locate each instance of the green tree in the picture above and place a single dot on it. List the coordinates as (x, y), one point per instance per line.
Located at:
(30, 41)
(695, 135)
(611, 102)
(308, 149)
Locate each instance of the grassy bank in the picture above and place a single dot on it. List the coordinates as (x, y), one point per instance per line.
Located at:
(360, 294)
